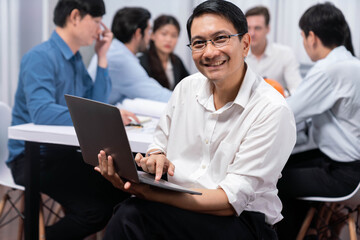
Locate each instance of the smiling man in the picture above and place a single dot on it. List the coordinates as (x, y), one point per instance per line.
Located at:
(220, 135)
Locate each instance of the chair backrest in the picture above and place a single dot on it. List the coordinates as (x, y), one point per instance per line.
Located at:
(5, 121)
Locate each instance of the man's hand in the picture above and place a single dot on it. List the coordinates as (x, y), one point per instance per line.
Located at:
(102, 45)
(155, 164)
(106, 168)
(127, 117)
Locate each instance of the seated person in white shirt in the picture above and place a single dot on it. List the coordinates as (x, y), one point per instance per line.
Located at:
(129, 79)
(268, 59)
(330, 96)
(220, 135)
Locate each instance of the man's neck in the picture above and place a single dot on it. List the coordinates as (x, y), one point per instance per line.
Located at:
(134, 48)
(323, 52)
(259, 50)
(68, 39)
(227, 90)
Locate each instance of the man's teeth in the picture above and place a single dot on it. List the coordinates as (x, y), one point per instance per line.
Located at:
(217, 63)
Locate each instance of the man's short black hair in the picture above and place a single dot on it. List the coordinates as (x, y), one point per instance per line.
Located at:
(222, 8)
(63, 9)
(127, 20)
(259, 11)
(328, 24)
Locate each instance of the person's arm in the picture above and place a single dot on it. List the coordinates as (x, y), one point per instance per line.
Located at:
(260, 159)
(39, 85)
(101, 87)
(102, 45)
(314, 95)
(292, 75)
(130, 80)
(257, 163)
(255, 170)
(212, 201)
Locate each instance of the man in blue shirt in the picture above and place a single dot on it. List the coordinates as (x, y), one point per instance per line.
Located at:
(47, 72)
(131, 30)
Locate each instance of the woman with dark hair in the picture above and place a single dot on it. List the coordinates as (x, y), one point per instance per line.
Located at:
(159, 61)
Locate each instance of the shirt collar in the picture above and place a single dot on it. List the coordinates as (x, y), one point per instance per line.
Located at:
(336, 51)
(243, 96)
(64, 48)
(334, 56)
(120, 45)
(268, 50)
(205, 96)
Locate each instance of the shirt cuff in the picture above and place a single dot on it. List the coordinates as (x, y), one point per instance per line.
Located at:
(236, 191)
(102, 71)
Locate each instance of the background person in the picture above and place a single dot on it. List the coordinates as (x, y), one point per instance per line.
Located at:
(159, 61)
(131, 29)
(268, 59)
(330, 96)
(47, 72)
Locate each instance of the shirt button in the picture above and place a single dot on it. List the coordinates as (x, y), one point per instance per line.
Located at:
(203, 166)
(206, 141)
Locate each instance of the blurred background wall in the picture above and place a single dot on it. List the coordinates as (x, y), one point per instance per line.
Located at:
(24, 24)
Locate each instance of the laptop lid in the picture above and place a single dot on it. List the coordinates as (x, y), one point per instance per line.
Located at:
(99, 126)
(91, 120)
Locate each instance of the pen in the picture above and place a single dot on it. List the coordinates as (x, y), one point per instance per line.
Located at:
(134, 125)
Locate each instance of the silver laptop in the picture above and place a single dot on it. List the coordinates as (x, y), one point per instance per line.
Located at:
(99, 126)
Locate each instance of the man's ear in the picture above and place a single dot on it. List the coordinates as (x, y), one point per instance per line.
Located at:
(137, 34)
(74, 17)
(246, 40)
(312, 39)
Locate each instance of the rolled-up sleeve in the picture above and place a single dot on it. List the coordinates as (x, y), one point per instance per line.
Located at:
(260, 159)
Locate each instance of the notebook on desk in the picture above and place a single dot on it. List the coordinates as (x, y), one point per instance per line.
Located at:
(99, 126)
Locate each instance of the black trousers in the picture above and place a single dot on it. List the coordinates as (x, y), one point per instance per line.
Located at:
(311, 173)
(87, 197)
(140, 219)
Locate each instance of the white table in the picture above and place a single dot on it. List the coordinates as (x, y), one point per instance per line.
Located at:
(65, 135)
(34, 135)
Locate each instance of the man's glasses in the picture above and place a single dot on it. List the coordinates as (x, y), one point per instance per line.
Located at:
(218, 41)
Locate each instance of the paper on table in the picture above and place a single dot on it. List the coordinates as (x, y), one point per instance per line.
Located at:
(143, 107)
(143, 119)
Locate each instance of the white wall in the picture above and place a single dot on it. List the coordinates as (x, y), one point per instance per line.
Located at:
(9, 50)
(24, 23)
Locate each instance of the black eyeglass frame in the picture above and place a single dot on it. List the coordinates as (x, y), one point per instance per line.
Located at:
(213, 42)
